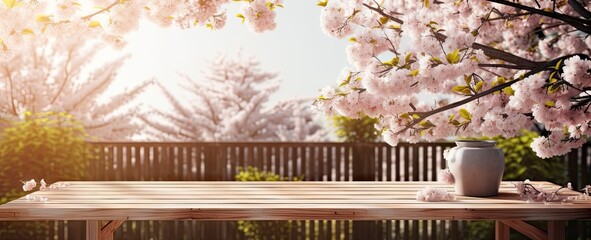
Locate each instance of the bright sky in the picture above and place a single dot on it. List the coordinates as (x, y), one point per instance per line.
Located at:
(305, 58)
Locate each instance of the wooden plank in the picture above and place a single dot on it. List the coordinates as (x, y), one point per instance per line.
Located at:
(107, 230)
(121, 165)
(102, 165)
(407, 163)
(389, 169)
(440, 157)
(277, 160)
(425, 163)
(526, 229)
(397, 167)
(339, 165)
(130, 164)
(348, 163)
(585, 166)
(501, 231)
(380, 161)
(269, 159)
(330, 166)
(92, 230)
(416, 170)
(285, 160)
(556, 230)
(434, 166)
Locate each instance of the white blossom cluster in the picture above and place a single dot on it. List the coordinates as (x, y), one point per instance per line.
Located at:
(429, 194)
(110, 20)
(31, 184)
(530, 193)
(404, 50)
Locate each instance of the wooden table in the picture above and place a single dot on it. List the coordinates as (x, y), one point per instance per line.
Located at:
(106, 205)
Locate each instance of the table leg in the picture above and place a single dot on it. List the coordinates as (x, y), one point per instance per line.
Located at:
(92, 229)
(95, 230)
(501, 230)
(556, 230)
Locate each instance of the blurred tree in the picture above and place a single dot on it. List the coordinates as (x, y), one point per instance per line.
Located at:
(232, 104)
(356, 130)
(52, 75)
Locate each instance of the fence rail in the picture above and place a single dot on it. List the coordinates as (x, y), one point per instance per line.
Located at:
(201, 161)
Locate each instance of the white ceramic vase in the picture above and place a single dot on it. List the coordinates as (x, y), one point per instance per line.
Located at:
(477, 167)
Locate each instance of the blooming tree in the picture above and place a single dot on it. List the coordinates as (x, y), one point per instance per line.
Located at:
(110, 20)
(501, 65)
(53, 75)
(231, 104)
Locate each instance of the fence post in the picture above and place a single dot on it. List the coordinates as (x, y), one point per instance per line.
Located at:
(363, 159)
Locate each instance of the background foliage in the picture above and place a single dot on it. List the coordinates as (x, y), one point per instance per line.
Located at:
(48, 146)
(355, 130)
(258, 230)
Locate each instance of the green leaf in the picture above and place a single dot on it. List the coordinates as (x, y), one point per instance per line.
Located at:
(467, 79)
(462, 90)
(453, 57)
(44, 18)
(414, 73)
(407, 58)
(9, 3)
(94, 24)
(393, 62)
(322, 3)
(426, 124)
(27, 31)
(436, 60)
(459, 89)
(478, 86)
(553, 88)
(239, 15)
(509, 91)
(550, 104)
(558, 64)
(465, 114)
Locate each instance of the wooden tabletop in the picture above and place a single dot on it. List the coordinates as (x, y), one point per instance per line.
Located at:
(202, 200)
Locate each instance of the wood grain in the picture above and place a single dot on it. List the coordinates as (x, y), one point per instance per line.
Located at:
(184, 200)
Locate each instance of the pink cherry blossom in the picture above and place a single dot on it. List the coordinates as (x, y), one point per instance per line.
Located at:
(483, 63)
(445, 176)
(429, 194)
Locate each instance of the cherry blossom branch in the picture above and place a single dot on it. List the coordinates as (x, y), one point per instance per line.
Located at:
(507, 66)
(11, 83)
(381, 12)
(488, 51)
(543, 67)
(578, 23)
(67, 63)
(505, 56)
(579, 8)
(115, 3)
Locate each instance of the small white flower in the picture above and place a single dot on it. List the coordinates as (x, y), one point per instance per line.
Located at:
(43, 185)
(29, 185)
